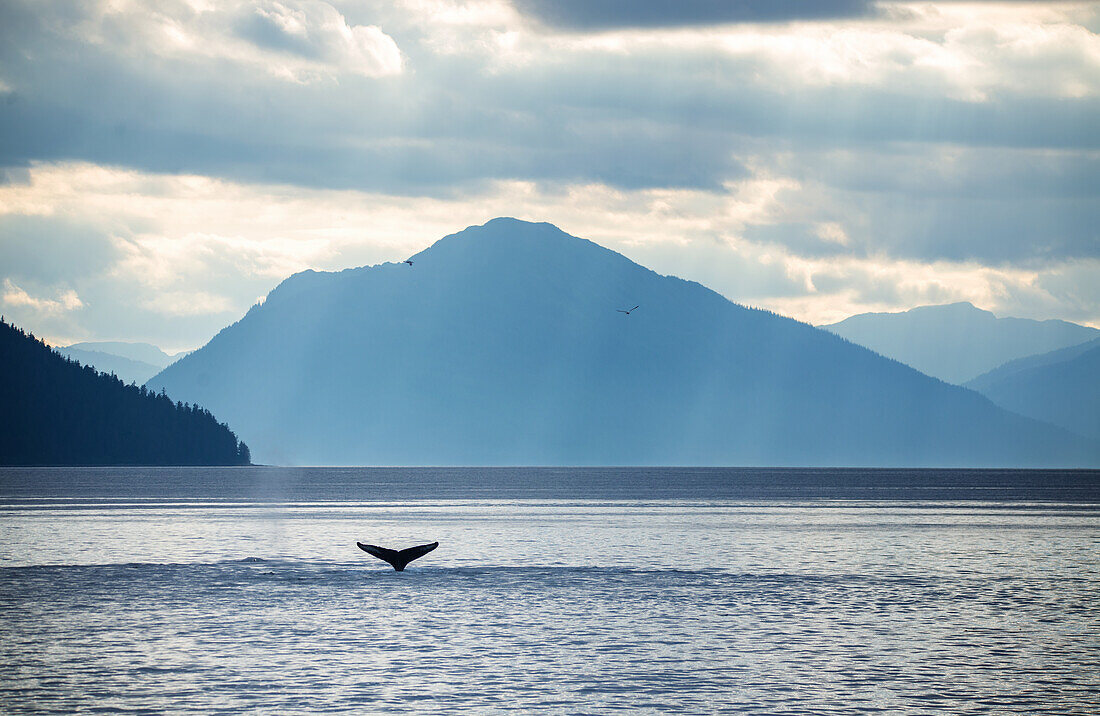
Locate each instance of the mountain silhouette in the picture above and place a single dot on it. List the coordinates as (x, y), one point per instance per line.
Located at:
(130, 362)
(143, 352)
(503, 344)
(1061, 387)
(57, 412)
(125, 369)
(957, 342)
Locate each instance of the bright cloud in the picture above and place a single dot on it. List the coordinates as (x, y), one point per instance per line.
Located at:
(193, 253)
(318, 35)
(298, 40)
(15, 297)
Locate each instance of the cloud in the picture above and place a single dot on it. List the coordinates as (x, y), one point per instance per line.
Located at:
(47, 249)
(166, 149)
(1072, 289)
(192, 253)
(610, 15)
(319, 35)
(64, 301)
(802, 238)
(301, 41)
(109, 84)
(597, 15)
(190, 303)
(995, 206)
(844, 286)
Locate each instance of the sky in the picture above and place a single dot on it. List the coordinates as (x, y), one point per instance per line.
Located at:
(166, 163)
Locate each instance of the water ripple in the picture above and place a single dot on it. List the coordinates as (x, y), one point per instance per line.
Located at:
(322, 637)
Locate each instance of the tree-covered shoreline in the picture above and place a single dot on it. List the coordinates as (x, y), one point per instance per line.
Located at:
(59, 412)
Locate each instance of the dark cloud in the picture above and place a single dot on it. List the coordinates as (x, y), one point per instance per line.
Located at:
(953, 172)
(990, 205)
(999, 231)
(596, 15)
(48, 249)
(263, 31)
(802, 239)
(660, 119)
(994, 231)
(606, 152)
(628, 124)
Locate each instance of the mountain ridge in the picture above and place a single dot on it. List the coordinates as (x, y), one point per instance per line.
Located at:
(1030, 361)
(1061, 387)
(126, 369)
(957, 342)
(143, 352)
(503, 344)
(130, 362)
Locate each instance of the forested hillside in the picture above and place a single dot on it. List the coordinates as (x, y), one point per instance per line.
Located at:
(57, 412)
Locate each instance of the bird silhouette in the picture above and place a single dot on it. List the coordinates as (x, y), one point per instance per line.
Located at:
(626, 312)
(408, 261)
(397, 559)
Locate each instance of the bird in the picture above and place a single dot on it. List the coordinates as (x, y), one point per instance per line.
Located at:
(398, 559)
(408, 261)
(626, 312)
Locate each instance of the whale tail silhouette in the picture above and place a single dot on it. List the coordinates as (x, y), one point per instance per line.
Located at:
(398, 559)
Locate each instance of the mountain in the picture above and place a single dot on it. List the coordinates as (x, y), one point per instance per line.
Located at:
(1005, 370)
(1060, 387)
(57, 412)
(142, 352)
(957, 342)
(506, 344)
(131, 362)
(127, 370)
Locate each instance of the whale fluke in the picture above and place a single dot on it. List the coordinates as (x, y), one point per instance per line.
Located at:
(398, 559)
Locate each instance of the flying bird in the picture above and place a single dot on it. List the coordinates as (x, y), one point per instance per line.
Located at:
(626, 312)
(408, 261)
(398, 559)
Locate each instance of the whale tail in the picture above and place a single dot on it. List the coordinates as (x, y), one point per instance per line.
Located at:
(398, 559)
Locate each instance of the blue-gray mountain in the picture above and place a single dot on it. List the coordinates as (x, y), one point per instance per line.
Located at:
(127, 370)
(144, 352)
(1060, 387)
(130, 362)
(503, 344)
(957, 342)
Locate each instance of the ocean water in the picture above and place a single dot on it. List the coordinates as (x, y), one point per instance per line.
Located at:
(554, 590)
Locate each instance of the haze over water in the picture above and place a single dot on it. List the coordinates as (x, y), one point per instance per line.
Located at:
(658, 590)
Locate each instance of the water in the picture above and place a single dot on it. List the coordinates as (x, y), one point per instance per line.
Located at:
(562, 591)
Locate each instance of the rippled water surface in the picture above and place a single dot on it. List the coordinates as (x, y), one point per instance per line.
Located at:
(577, 591)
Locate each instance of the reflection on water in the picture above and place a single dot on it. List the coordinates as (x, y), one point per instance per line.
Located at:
(560, 605)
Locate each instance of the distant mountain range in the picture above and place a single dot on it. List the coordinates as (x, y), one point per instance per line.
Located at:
(57, 412)
(1061, 387)
(131, 362)
(957, 342)
(508, 343)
